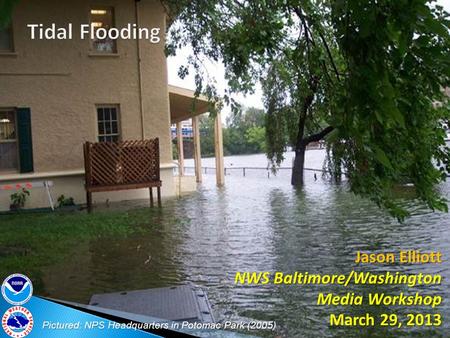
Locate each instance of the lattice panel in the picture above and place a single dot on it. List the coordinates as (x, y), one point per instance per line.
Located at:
(127, 162)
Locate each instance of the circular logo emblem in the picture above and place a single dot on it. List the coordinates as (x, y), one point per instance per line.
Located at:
(17, 322)
(17, 289)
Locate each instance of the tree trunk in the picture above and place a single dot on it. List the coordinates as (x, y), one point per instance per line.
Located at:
(299, 161)
(299, 164)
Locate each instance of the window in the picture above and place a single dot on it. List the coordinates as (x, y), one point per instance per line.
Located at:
(108, 123)
(102, 19)
(8, 141)
(6, 40)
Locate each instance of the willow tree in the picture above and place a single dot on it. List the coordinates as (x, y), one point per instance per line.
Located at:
(366, 75)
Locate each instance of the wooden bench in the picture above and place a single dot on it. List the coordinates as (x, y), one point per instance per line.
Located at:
(113, 166)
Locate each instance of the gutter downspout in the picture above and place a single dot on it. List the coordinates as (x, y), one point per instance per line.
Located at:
(138, 49)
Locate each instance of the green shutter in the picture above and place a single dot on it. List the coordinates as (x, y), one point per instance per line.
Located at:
(25, 140)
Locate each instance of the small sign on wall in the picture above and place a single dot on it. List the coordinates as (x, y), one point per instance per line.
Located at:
(26, 185)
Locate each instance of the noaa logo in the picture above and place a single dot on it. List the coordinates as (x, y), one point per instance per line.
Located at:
(17, 289)
(17, 322)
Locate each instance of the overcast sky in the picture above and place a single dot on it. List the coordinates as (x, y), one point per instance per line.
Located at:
(214, 68)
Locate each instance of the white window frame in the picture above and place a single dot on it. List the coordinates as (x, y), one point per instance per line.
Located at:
(113, 24)
(16, 140)
(119, 133)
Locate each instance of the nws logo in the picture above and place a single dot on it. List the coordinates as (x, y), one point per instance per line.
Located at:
(17, 322)
(17, 289)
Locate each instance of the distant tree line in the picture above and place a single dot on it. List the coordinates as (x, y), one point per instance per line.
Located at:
(244, 133)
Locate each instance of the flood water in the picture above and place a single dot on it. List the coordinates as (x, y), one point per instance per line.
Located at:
(256, 223)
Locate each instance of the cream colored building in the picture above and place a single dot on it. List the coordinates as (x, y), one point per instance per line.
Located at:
(57, 94)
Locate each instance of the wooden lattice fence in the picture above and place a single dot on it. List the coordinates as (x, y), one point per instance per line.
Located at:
(111, 166)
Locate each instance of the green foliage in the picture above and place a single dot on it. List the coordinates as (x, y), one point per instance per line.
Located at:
(174, 150)
(256, 137)
(207, 135)
(234, 141)
(19, 198)
(390, 129)
(367, 72)
(236, 137)
(241, 133)
(65, 201)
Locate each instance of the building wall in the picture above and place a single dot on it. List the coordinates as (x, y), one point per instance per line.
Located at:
(62, 81)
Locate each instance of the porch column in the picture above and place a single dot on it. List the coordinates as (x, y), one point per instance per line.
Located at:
(180, 149)
(197, 149)
(218, 144)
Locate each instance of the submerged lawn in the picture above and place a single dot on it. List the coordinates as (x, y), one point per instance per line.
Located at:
(29, 242)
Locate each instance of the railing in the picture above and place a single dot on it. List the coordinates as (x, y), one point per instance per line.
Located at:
(268, 170)
(246, 169)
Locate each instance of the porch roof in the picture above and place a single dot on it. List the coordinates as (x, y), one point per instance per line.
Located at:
(181, 104)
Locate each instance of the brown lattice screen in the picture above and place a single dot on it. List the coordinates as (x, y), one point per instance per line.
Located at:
(122, 165)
